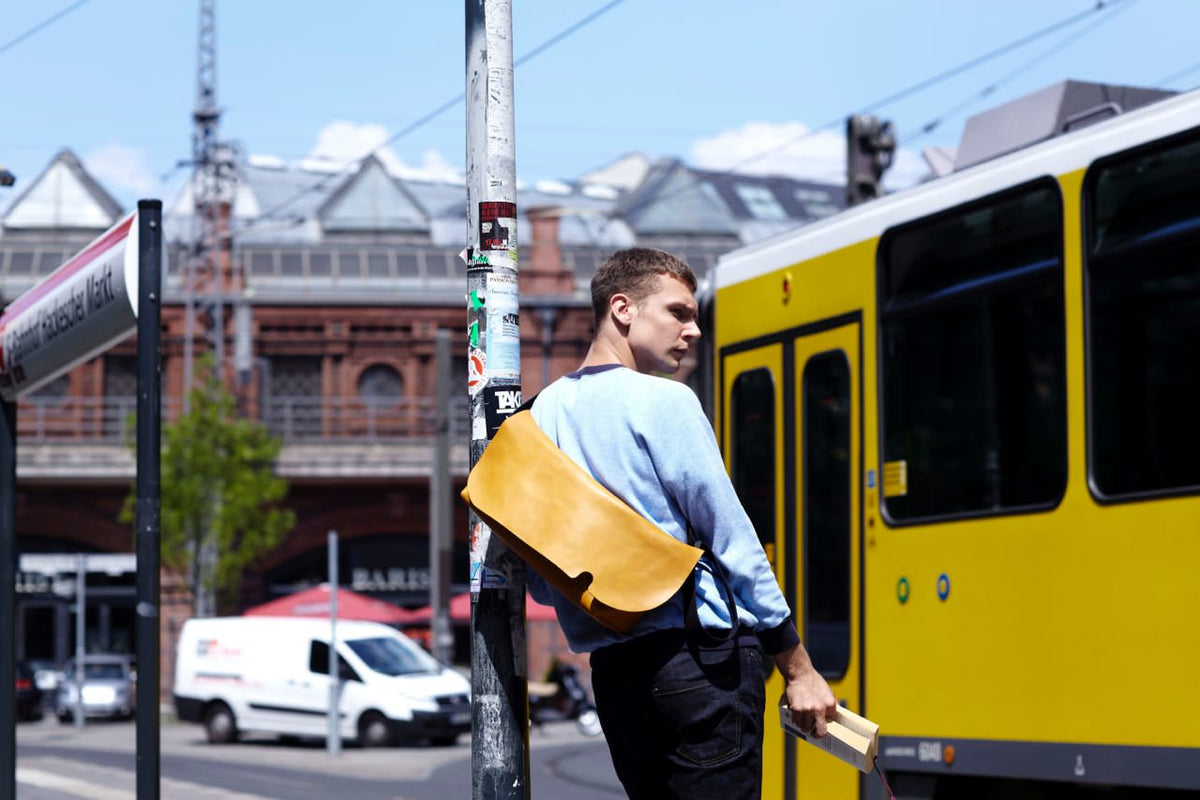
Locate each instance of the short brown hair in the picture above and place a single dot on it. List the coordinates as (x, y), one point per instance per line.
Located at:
(633, 272)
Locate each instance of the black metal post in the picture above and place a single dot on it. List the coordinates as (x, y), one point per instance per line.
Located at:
(8, 598)
(149, 558)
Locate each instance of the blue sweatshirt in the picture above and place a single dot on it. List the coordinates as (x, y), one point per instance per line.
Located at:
(648, 441)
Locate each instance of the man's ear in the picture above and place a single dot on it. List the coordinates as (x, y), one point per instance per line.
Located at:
(621, 308)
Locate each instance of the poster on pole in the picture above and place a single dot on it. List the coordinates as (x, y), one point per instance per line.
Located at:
(503, 329)
(82, 308)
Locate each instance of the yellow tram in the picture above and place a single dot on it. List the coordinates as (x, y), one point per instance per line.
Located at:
(965, 419)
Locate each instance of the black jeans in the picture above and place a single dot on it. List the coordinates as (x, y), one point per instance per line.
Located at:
(682, 720)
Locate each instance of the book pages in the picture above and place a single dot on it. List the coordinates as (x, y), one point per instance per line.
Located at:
(849, 737)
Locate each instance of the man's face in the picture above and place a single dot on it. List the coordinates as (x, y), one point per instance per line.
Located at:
(662, 327)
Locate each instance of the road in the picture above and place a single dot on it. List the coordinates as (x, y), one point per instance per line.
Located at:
(54, 762)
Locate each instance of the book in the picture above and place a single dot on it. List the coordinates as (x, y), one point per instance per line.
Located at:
(851, 738)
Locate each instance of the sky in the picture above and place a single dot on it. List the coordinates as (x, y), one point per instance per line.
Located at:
(758, 85)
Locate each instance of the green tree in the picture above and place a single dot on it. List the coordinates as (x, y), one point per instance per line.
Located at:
(220, 495)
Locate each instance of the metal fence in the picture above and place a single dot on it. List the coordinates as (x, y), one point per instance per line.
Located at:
(306, 419)
(310, 420)
(101, 420)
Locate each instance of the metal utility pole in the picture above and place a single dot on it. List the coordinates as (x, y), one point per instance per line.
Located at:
(8, 596)
(8, 580)
(333, 737)
(80, 634)
(499, 688)
(440, 510)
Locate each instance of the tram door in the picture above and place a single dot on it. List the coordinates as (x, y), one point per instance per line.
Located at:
(792, 439)
(755, 386)
(823, 540)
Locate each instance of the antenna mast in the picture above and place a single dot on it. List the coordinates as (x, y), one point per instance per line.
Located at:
(212, 196)
(209, 265)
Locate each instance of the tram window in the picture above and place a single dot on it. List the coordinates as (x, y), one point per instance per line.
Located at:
(1143, 293)
(753, 457)
(973, 353)
(827, 512)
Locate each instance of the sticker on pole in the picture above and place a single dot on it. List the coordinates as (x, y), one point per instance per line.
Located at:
(499, 403)
(476, 371)
(498, 233)
(82, 308)
(481, 576)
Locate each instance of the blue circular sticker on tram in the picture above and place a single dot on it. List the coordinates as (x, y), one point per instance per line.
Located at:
(902, 590)
(943, 586)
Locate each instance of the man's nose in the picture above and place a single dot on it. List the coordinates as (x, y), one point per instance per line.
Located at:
(691, 332)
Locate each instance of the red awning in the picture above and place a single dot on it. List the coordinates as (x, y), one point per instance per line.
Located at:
(460, 610)
(314, 602)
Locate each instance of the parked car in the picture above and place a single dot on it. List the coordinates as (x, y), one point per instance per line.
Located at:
(108, 689)
(46, 675)
(29, 696)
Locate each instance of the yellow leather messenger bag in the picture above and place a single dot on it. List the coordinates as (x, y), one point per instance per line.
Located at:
(585, 541)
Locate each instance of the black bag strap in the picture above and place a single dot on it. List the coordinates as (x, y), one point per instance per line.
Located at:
(691, 612)
(528, 404)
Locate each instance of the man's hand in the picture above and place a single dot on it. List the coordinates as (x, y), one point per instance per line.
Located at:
(807, 694)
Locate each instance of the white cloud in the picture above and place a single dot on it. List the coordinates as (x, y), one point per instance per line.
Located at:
(341, 142)
(795, 150)
(123, 170)
(435, 167)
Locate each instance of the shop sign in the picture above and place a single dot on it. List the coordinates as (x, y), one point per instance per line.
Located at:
(392, 579)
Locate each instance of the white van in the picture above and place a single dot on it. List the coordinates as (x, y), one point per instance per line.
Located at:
(270, 675)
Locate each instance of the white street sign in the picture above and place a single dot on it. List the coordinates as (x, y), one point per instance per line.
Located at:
(82, 308)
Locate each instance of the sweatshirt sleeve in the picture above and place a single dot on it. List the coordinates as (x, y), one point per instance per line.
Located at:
(538, 588)
(685, 454)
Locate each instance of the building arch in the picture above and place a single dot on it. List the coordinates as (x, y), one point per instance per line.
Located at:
(379, 384)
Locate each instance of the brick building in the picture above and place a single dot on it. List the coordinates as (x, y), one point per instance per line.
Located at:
(331, 295)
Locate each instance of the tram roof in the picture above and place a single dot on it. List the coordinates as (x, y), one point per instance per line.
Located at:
(1054, 157)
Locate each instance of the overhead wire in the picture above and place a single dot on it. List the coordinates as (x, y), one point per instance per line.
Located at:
(908, 91)
(434, 113)
(1066, 22)
(16, 40)
(994, 86)
(1174, 76)
(1099, 7)
(919, 86)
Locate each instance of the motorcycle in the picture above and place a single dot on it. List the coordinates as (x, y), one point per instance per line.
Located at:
(562, 697)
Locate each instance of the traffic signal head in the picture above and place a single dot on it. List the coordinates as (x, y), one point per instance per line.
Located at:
(870, 146)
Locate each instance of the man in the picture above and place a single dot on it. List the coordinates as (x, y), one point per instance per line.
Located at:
(683, 715)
